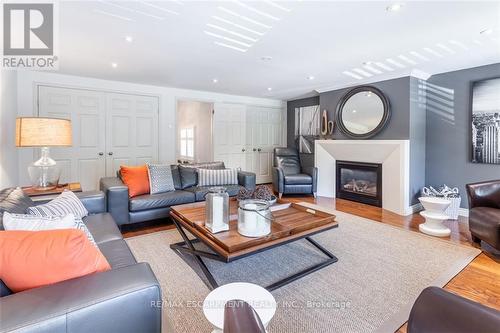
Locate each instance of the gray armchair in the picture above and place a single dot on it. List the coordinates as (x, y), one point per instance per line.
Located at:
(289, 177)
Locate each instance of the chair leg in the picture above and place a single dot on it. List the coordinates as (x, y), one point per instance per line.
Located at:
(280, 195)
(315, 195)
(476, 239)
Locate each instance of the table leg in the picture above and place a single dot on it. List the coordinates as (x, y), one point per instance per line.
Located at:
(195, 253)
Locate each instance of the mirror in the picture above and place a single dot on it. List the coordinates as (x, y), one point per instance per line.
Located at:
(362, 112)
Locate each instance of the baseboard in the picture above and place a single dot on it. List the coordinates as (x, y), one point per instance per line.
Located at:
(415, 208)
(418, 207)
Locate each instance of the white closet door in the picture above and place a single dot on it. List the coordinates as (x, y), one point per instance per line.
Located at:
(84, 162)
(229, 134)
(131, 131)
(265, 127)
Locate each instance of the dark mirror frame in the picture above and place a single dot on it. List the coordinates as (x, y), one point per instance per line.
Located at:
(380, 126)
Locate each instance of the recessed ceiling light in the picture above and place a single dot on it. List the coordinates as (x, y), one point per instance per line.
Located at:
(354, 111)
(269, 89)
(310, 77)
(266, 58)
(215, 80)
(367, 63)
(486, 31)
(129, 39)
(114, 64)
(394, 7)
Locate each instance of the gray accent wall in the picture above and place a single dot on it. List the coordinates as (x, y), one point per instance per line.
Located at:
(398, 93)
(407, 102)
(448, 154)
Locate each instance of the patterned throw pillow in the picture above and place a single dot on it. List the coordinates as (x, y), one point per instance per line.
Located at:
(66, 203)
(207, 177)
(160, 178)
(37, 223)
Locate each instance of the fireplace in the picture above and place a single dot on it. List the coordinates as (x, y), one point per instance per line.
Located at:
(361, 182)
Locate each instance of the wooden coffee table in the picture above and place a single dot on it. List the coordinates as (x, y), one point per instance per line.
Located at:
(291, 222)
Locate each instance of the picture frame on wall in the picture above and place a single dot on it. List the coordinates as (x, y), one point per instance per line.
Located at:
(485, 122)
(307, 128)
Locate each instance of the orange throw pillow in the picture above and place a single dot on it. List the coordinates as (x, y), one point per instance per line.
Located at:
(30, 259)
(136, 178)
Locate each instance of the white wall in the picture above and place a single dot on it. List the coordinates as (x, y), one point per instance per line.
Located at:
(8, 112)
(197, 115)
(26, 102)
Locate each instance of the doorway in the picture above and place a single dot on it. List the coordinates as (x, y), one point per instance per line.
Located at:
(194, 131)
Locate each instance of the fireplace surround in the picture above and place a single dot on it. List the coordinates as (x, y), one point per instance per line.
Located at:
(359, 181)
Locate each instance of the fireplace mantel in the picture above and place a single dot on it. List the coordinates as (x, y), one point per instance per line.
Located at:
(394, 155)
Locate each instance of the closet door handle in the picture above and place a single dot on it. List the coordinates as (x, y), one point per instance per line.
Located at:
(259, 150)
(254, 149)
(243, 150)
(101, 153)
(110, 153)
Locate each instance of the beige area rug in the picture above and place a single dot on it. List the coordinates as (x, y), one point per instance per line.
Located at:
(380, 272)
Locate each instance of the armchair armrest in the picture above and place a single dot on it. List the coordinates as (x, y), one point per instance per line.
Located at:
(484, 194)
(94, 201)
(313, 172)
(278, 180)
(437, 310)
(247, 180)
(116, 198)
(126, 299)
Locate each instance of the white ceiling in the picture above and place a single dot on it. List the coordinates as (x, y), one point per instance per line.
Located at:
(323, 39)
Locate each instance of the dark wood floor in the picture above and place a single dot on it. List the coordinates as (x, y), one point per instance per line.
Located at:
(479, 281)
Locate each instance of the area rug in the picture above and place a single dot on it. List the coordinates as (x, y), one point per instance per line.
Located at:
(380, 272)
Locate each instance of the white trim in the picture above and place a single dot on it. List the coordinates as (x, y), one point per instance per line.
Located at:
(463, 212)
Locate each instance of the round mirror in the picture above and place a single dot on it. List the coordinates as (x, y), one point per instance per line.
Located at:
(362, 112)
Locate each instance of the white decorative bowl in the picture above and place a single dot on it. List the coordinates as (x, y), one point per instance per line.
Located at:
(434, 204)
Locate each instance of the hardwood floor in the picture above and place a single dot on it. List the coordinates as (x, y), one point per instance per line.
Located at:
(479, 281)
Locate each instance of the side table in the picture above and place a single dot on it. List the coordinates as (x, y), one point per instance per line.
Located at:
(51, 194)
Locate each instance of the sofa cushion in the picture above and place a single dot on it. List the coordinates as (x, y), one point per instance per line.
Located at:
(201, 191)
(33, 259)
(13, 200)
(103, 227)
(189, 172)
(176, 176)
(167, 199)
(160, 178)
(298, 179)
(189, 176)
(136, 178)
(117, 253)
(211, 177)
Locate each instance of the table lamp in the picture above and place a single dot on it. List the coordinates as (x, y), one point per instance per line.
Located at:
(44, 133)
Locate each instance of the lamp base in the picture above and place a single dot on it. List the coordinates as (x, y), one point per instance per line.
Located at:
(44, 173)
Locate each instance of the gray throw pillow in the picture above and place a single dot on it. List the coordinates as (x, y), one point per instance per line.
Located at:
(13, 200)
(189, 176)
(160, 178)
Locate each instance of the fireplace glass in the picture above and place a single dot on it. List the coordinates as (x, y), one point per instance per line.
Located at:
(360, 182)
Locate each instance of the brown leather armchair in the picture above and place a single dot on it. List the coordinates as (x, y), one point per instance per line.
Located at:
(439, 311)
(240, 317)
(484, 212)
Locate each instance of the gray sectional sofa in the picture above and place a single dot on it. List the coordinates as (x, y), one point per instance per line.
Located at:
(126, 298)
(147, 207)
